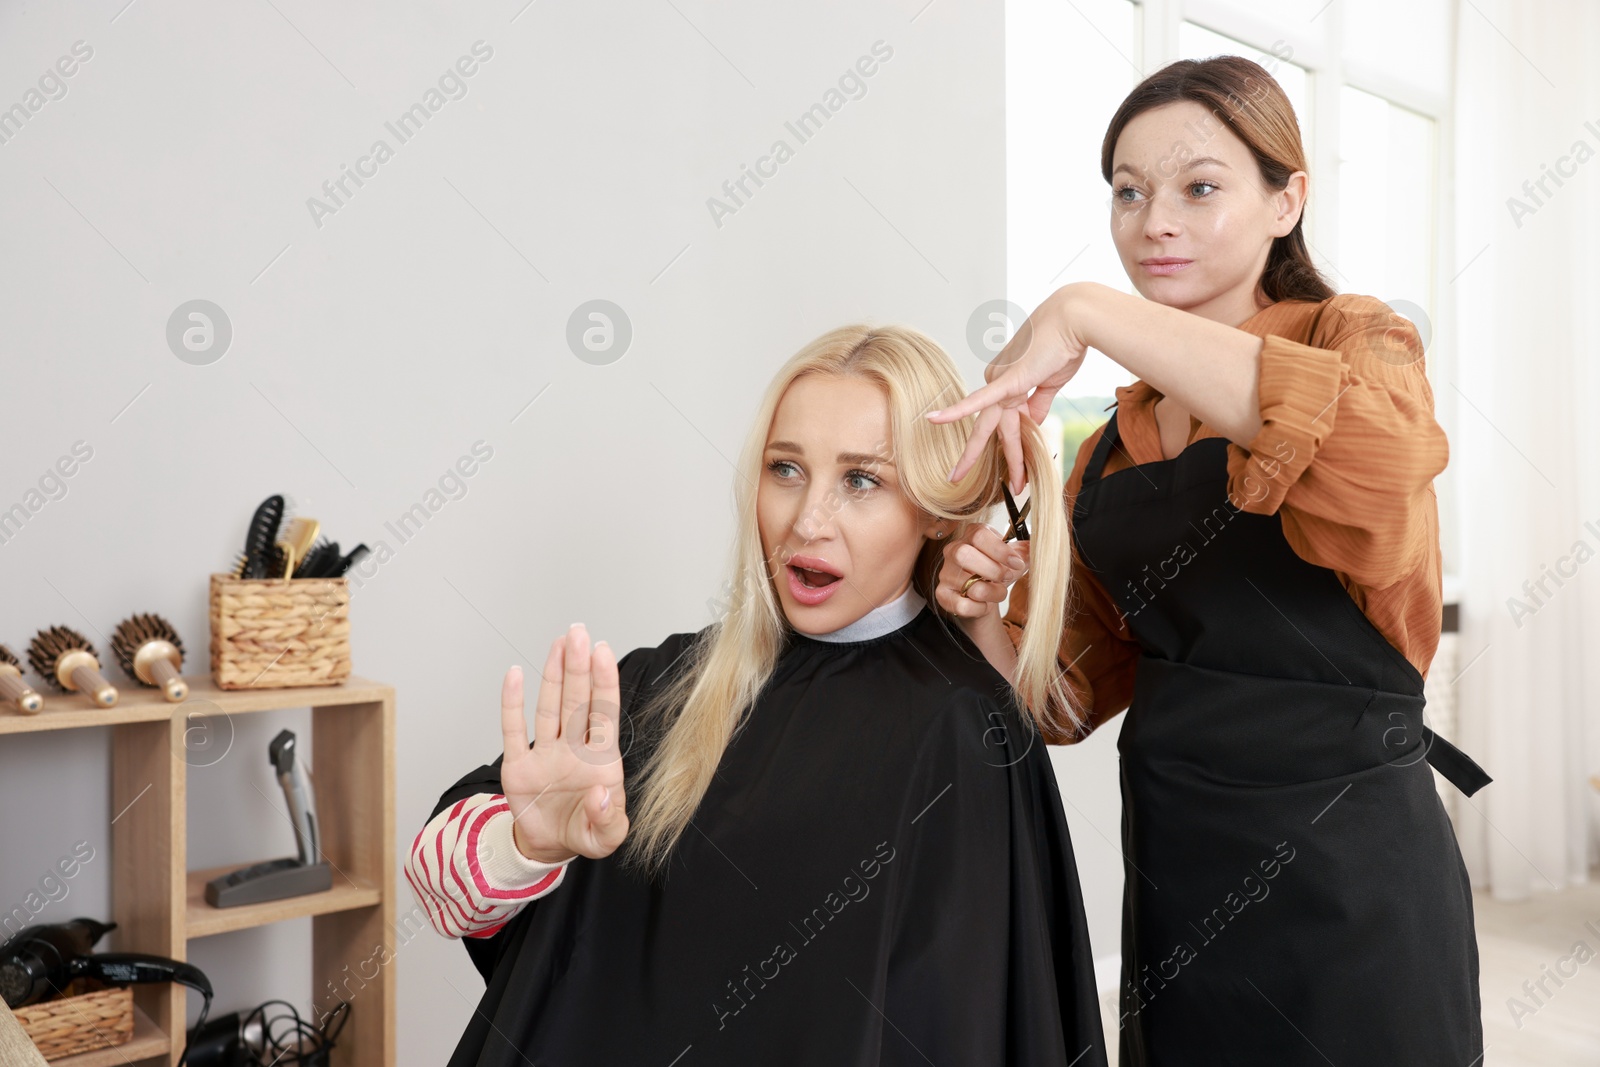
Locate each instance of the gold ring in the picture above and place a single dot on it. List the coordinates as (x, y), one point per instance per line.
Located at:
(968, 584)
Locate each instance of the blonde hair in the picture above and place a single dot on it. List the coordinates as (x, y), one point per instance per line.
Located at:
(697, 714)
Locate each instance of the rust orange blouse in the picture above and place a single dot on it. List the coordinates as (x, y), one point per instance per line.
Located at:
(1346, 456)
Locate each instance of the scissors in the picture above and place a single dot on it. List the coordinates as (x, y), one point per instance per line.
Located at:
(1018, 529)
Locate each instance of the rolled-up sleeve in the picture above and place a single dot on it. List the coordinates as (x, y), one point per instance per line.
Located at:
(1349, 445)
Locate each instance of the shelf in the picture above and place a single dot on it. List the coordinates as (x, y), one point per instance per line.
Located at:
(138, 703)
(203, 920)
(159, 904)
(147, 1041)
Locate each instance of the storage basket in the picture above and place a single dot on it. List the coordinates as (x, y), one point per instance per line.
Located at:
(273, 633)
(99, 1017)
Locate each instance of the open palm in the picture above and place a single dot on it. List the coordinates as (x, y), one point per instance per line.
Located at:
(566, 791)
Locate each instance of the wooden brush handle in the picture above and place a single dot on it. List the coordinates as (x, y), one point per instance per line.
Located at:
(86, 679)
(16, 691)
(166, 676)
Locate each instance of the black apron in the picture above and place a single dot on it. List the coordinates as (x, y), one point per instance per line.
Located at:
(1294, 892)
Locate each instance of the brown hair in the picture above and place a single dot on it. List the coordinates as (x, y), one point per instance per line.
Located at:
(1251, 103)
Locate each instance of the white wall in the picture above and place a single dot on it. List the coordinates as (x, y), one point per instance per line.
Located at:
(370, 352)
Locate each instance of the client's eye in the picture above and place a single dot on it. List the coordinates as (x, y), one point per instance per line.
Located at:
(862, 474)
(776, 465)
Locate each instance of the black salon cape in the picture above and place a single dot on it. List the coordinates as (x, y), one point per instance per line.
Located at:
(880, 874)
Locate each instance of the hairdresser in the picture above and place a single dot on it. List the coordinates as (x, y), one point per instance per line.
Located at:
(1255, 578)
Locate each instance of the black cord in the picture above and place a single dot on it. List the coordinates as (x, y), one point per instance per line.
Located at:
(308, 1041)
(198, 1023)
(342, 1013)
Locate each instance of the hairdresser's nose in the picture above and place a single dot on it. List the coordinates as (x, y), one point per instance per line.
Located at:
(1161, 218)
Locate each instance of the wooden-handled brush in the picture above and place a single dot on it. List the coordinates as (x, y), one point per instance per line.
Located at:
(13, 688)
(148, 649)
(298, 537)
(65, 658)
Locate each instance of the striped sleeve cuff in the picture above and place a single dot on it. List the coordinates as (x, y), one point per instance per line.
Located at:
(500, 865)
(467, 871)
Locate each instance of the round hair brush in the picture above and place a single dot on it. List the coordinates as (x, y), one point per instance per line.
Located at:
(148, 649)
(66, 659)
(13, 688)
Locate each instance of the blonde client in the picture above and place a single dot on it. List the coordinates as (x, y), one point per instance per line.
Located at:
(821, 830)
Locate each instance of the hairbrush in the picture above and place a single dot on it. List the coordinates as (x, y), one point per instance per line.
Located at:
(287, 553)
(13, 688)
(320, 561)
(283, 560)
(65, 658)
(259, 540)
(276, 565)
(299, 536)
(148, 649)
(349, 561)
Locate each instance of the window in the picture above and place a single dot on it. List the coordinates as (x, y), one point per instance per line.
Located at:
(1386, 204)
(1068, 66)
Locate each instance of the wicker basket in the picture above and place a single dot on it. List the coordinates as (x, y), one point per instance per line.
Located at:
(98, 1018)
(279, 632)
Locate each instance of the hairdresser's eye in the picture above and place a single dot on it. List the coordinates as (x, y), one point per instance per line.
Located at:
(1197, 185)
(778, 466)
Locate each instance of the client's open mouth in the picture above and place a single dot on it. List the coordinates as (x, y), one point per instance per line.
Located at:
(812, 580)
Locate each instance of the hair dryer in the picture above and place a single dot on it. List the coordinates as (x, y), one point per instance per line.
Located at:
(40, 961)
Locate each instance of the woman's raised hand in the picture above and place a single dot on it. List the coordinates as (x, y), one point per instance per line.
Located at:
(566, 791)
(1040, 358)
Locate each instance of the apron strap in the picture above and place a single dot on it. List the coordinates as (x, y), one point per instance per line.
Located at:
(1460, 768)
(1102, 449)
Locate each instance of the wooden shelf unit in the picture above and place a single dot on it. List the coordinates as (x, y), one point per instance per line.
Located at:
(159, 904)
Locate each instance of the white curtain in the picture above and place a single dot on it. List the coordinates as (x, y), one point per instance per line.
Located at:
(1525, 284)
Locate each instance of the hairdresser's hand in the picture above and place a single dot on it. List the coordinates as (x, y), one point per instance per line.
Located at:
(1024, 378)
(566, 791)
